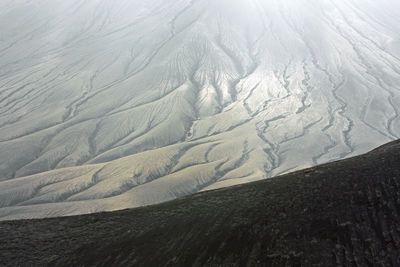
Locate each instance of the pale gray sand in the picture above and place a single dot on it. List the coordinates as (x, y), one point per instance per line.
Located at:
(185, 95)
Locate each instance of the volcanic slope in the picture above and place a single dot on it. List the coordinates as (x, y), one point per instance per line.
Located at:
(114, 104)
(344, 213)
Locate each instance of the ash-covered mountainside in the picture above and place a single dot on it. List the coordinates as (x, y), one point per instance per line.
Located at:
(345, 213)
(114, 104)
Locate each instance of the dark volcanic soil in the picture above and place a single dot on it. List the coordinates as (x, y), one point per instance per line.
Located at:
(343, 213)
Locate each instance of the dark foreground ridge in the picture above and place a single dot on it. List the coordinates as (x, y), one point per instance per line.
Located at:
(342, 213)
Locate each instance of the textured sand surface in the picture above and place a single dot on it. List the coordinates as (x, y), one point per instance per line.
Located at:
(115, 104)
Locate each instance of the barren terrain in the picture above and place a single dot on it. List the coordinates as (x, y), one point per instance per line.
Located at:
(107, 105)
(344, 213)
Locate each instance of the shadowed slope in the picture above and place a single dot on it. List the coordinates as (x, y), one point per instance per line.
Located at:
(345, 212)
